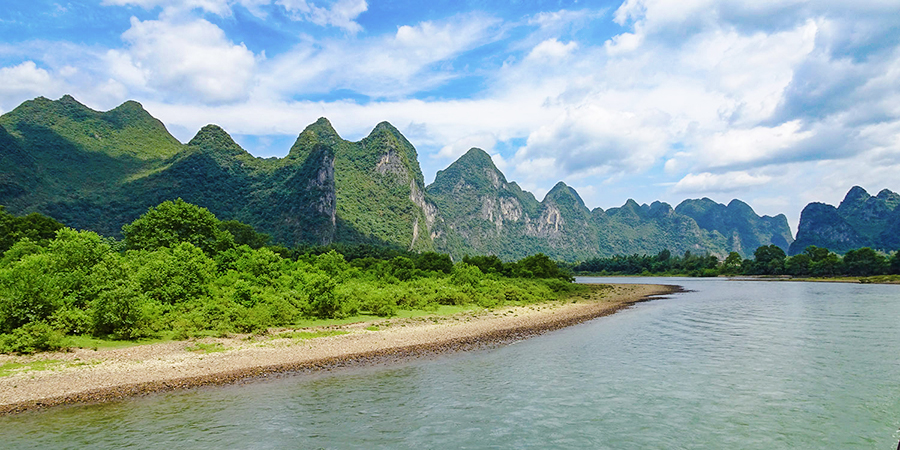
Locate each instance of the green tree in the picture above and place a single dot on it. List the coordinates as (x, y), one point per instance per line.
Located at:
(827, 266)
(435, 262)
(29, 292)
(864, 262)
(485, 263)
(816, 254)
(798, 265)
(36, 227)
(173, 275)
(732, 263)
(244, 234)
(173, 222)
(769, 260)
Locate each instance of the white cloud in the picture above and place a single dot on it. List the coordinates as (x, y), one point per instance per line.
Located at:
(341, 14)
(552, 50)
(747, 146)
(591, 138)
(26, 80)
(484, 141)
(186, 59)
(386, 66)
(704, 183)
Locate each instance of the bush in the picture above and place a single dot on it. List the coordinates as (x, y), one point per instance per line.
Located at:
(121, 312)
(466, 275)
(33, 337)
(29, 292)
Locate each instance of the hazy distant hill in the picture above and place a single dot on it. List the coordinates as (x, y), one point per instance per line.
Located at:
(100, 170)
(861, 220)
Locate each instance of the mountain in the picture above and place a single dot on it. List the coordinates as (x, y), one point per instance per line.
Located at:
(99, 170)
(484, 213)
(861, 220)
(738, 224)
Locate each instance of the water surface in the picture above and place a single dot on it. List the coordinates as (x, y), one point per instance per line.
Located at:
(732, 364)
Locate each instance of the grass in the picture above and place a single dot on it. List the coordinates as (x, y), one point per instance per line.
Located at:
(202, 347)
(86, 341)
(7, 369)
(312, 334)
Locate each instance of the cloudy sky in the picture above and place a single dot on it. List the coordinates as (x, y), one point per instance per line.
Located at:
(775, 102)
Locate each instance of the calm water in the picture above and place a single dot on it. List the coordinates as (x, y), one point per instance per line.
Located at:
(732, 365)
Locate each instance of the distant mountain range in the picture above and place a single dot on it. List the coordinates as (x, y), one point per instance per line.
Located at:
(99, 170)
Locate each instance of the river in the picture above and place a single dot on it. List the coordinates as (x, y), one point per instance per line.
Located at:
(728, 365)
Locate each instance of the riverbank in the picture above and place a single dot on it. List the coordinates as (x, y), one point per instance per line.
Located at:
(91, 376)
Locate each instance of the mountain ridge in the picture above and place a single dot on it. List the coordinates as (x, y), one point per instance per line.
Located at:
(328, 190)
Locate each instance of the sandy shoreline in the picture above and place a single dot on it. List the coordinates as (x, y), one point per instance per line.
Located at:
(90, 376)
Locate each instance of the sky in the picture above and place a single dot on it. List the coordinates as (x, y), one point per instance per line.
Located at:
(776, 102)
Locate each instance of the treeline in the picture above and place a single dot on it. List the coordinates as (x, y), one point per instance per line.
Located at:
(767, 260)
(180, 272)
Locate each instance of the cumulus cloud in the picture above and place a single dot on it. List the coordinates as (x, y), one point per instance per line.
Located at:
(590, 138)
(706, 182)
(552, 50)
(184, 59)
(484, 141)
(25, 80)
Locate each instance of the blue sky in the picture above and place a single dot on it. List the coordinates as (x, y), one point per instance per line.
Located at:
(776, 102)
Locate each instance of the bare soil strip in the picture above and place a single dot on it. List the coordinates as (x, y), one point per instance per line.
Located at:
(91, 376)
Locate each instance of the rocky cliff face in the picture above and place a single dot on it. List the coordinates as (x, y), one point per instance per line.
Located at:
(861, 220)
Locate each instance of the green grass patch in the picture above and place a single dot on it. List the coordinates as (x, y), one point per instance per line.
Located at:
(7, 369)
(87, 341)
(202, 347)
(312, 334)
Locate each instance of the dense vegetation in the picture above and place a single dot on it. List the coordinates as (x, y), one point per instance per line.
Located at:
(180, 271)
(767, 260)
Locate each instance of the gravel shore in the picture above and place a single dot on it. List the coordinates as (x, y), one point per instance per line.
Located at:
(91, 376)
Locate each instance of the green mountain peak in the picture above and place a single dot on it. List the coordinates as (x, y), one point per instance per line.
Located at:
(564, 194)
(212, 138)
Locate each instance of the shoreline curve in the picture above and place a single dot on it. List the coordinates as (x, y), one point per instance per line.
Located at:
(157, 368)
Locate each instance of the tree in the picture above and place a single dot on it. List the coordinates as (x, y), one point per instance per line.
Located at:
(173, 222)
(36, 227)
(798, 265)
(864, 262)
(816, 254)
(732, 263)
(244, 234)
(769, 260)
(487, 263)
(436, 262)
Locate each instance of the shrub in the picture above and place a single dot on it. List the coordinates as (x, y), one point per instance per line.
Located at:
(29, 292)
(121, 312)
(33, 337)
